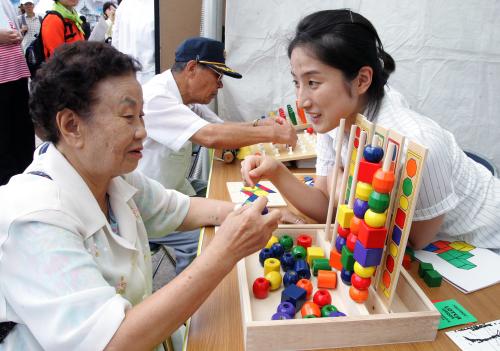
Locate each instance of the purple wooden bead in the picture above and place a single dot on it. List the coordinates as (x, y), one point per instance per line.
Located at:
(287, 308)
(264, 255)
(287, 261)
(277, 250)
(360, 208)
(367, 257)
(340, 243)
(337, 314)
(290, 277)
(278, 316)
(346, 276)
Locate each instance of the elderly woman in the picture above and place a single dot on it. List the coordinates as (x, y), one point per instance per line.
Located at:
(74, 254)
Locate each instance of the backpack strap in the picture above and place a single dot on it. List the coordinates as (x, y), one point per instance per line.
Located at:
(23, 20)
(68, 27)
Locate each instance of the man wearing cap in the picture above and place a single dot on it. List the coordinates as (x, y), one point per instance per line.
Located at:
(176, 115)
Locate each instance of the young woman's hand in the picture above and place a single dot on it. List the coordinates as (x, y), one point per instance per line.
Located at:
(9, 36)
(254, 168)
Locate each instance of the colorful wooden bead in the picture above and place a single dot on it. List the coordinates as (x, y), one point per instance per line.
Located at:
(274, 279)
(271, 264)
(326, 310)
(290, 277)
(373, 154)
(363, 272)
(271, 241)
(340, 243)
(372, 238)
(260, 288)
(287, 261)
(355, 222)
(343, 232)
(304, 240)
(314, 252)
(337, 314)
(424, 266)
(264, 255)
(295, 295)
(407, 262)
(346, 276)
(367, 257)
(378, 202)
(344, 215)
(327, 279)
(360, 283)
(363, 191)
(287, 308)
(374, 219)
(310, 308)
(299, 252)
(286, 241)
(302, 268)
(359, 207)
(322, 297)
(432, 278)
(320, 264)
(306, 285)
(383, 181)
(351, 241)
(279, 316)
(277, 250)
(335, 259)
(367, 170)
(358, 296)
(347, 259)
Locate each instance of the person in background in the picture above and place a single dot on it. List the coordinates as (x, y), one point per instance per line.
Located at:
(75, 226)
(339, 69)
(30, 24)
(86, 27)
(63, 27)
(17, 137)
(103, 30)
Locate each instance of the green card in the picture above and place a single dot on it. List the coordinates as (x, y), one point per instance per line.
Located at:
(452, 313)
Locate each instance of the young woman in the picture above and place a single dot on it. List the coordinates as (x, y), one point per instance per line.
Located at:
(339, 69)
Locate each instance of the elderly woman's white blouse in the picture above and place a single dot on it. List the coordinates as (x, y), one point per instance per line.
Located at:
(66, 278)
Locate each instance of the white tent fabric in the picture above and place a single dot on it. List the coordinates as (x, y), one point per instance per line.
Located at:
(447, 60)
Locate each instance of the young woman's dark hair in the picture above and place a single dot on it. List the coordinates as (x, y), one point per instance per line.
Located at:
(68, 80)
(106, 6)
(346, 41)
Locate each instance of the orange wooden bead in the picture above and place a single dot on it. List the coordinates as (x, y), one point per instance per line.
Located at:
(335, 259)
(327, 279)
(354, 225)
(383, 181)
(310, 308)
(358, 296)
(306, 285)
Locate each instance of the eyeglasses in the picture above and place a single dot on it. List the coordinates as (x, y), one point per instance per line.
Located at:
(219, 75)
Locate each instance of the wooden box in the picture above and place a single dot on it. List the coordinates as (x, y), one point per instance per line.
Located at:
(412, 316)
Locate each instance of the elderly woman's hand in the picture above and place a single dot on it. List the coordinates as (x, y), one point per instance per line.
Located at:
(8, 36)
(246, 230)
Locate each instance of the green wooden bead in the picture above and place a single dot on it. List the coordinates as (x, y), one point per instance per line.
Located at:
(299, 252)
(320, 264)
(424, 267)
(287, 242)
(378, 202)
(310, 316)
(347, 259)
(327, 309)
(432, 278)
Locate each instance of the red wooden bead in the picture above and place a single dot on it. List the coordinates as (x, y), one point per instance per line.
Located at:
(309, 130)
(304, 240)
(261, 288)
(322, 297)
(310, 308)
(306, 285)
(383, 181)
(360, 283)
(407, 262)
(351, 241)
(343, 232)
(367, 170)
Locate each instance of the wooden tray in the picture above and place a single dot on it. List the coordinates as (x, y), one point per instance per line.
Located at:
(412, 316)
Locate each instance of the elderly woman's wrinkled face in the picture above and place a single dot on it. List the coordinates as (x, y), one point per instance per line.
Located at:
(114, 133)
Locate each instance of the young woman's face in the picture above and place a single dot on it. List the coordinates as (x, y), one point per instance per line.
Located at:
(322, 91)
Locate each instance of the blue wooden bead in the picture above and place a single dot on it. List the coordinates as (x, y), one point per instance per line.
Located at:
(337, 314)
(360, 208)
(287, 261)
(277, 250)
(278, 316)
(373, 154)
(302, 268)
(290, 277)
(264, 255)
(287, 308)
(346, 276)
(339, 243)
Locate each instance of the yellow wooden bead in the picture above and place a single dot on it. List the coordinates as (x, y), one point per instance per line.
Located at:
(374, 219)
(274, 279)
(363, 272)
(314, 252)
(363, 191)
(271, 264)
(344, 216)
(271, 241)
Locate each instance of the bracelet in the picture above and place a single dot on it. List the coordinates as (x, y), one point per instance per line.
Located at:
(256, 122)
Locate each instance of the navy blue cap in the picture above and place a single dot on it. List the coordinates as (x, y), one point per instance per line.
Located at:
(207, 51)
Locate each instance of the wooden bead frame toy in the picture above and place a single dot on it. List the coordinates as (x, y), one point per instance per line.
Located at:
(396, 311)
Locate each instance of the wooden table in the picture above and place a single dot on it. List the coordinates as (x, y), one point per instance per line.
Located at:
(217, 325)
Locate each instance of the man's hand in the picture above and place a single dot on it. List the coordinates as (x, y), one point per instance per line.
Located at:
(9, 36)
(284, 132)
